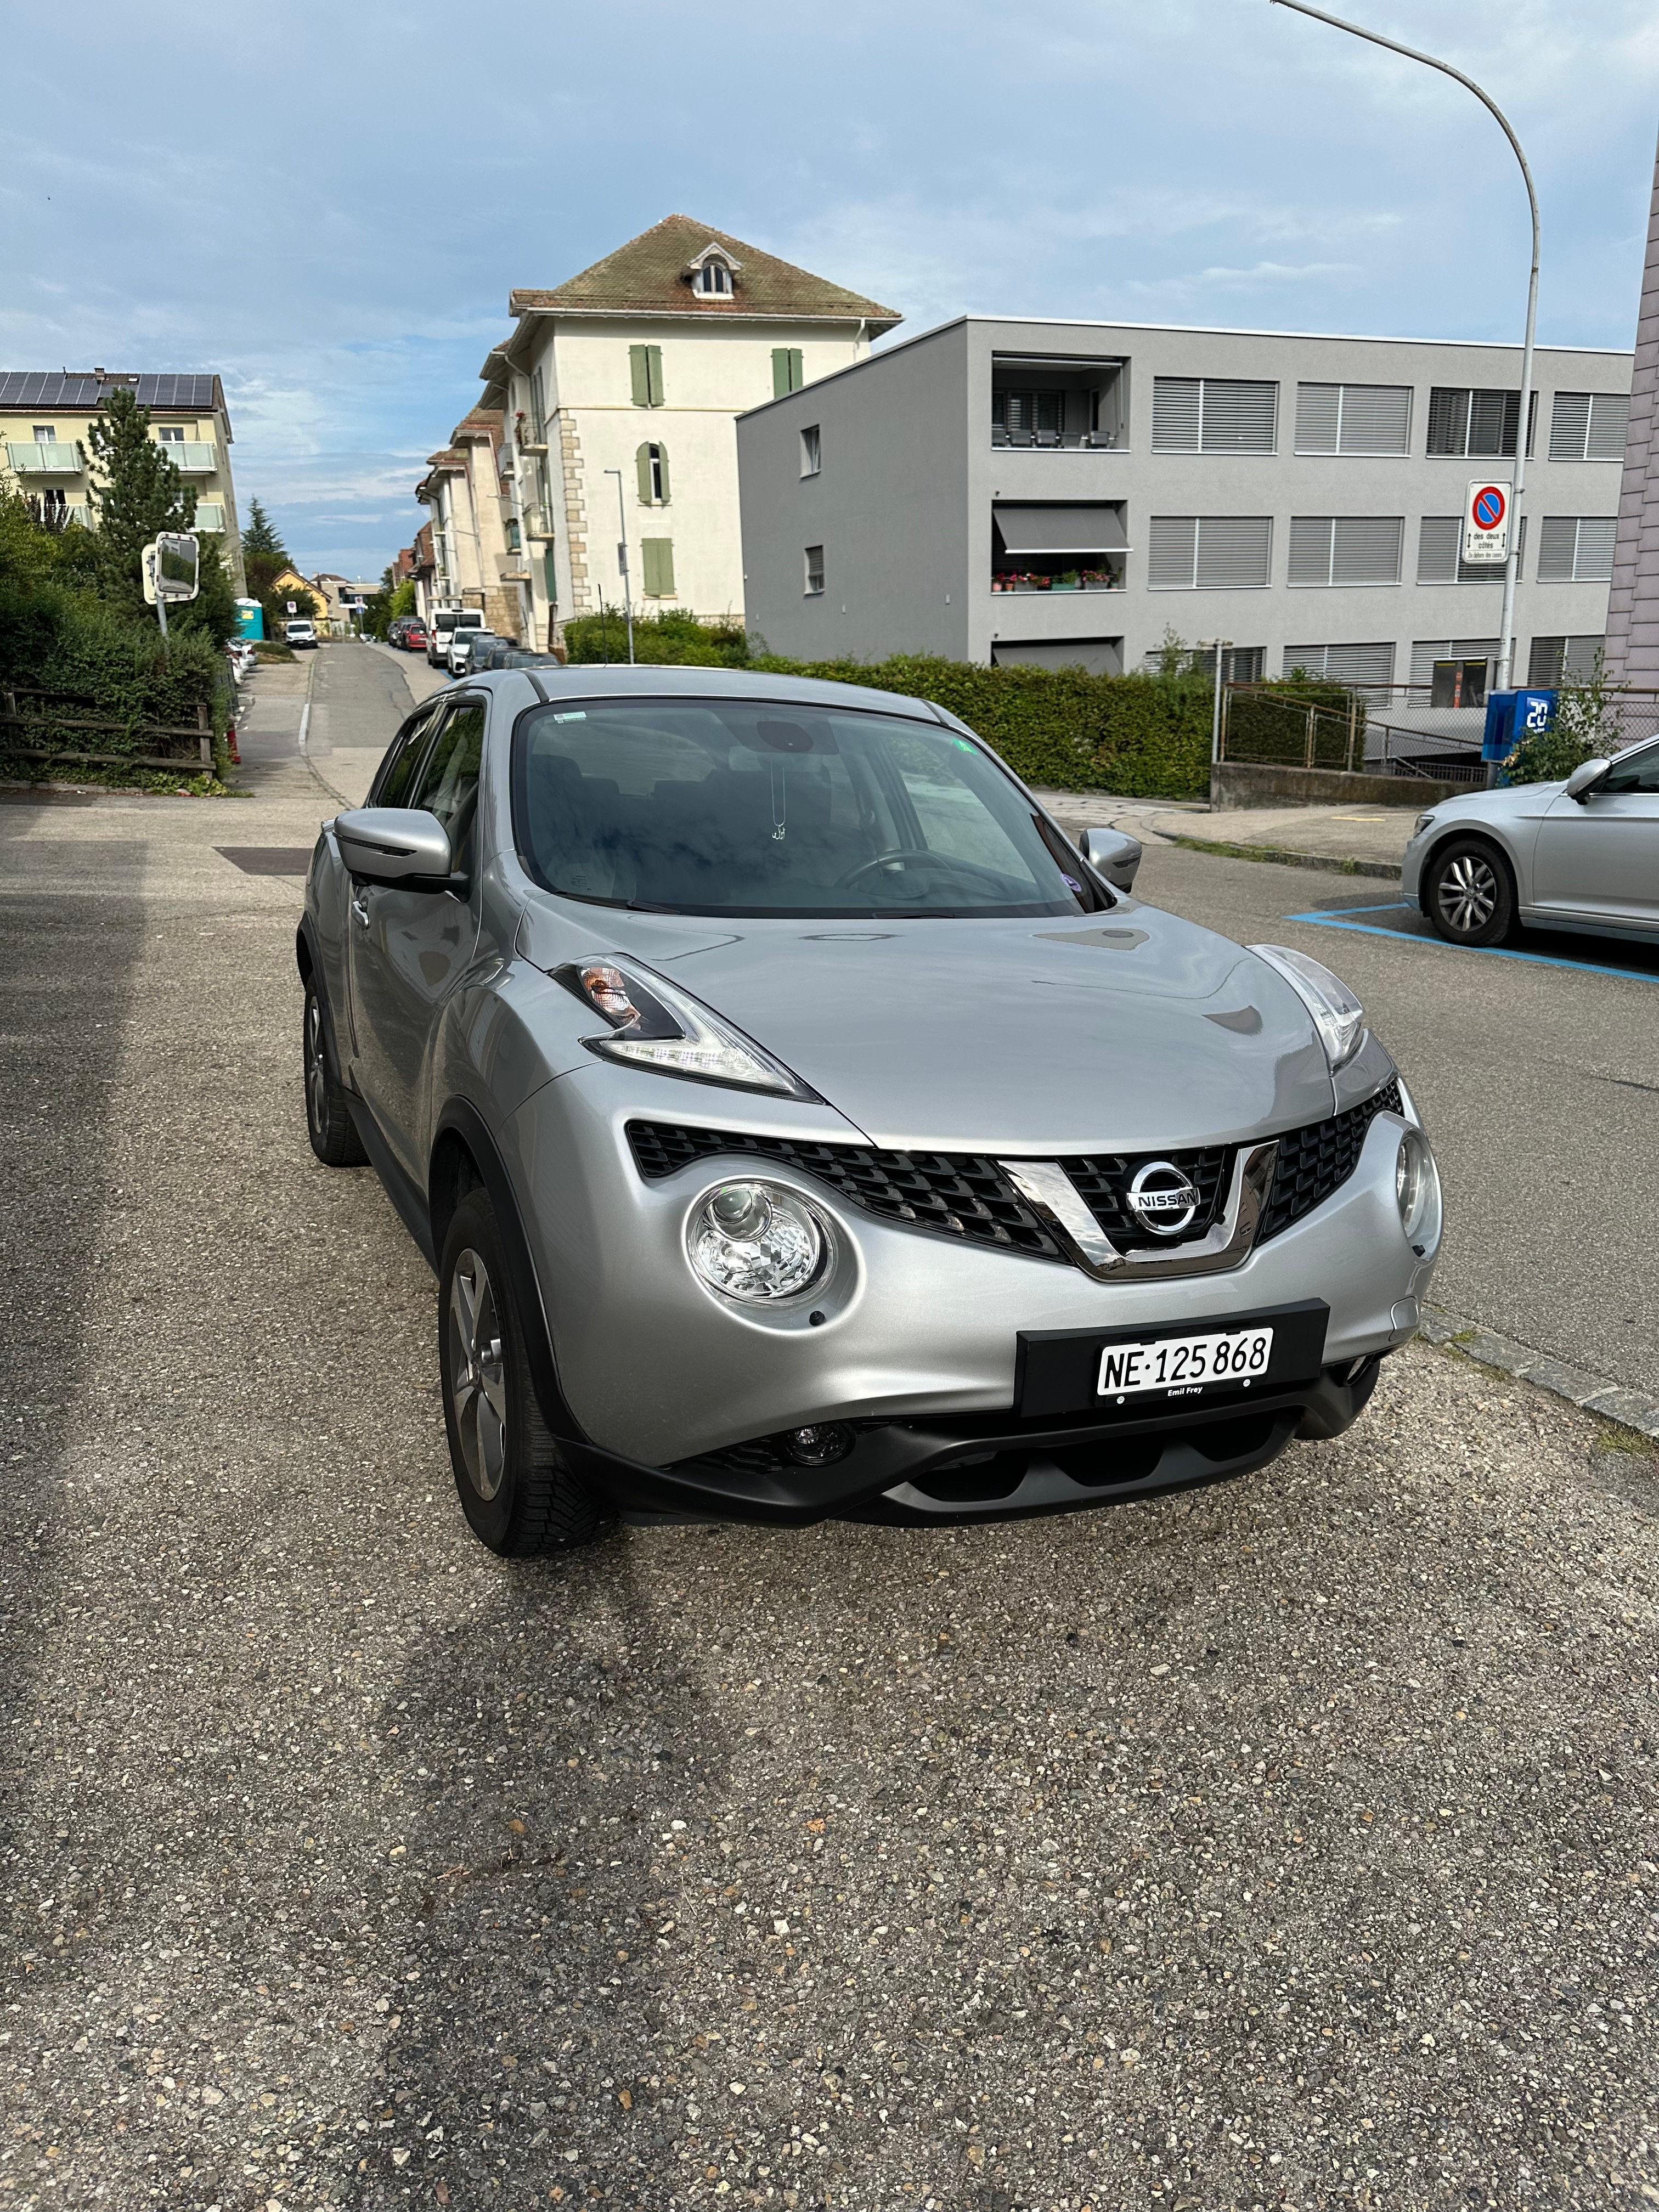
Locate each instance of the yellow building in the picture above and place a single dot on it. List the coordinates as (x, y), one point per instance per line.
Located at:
(45, 425)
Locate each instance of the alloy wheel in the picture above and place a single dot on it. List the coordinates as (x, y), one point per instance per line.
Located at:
(477, 1376)
(316, 1066)
(1467, 893)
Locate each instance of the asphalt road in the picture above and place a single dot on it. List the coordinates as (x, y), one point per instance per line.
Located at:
(1287, 1843)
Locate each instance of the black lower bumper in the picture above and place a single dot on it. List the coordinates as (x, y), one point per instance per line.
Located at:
(981, 1466)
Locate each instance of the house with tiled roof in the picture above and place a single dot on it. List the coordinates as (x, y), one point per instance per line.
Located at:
(46, 423)
(475, 543)
(630, 377)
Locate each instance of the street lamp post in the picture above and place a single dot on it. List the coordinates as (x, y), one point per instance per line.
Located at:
(621, 559)
(1512, 566)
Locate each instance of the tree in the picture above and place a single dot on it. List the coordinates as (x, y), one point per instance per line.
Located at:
(262, 536)
(137, 492)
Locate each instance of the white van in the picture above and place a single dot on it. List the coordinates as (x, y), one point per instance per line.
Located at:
(445, 623)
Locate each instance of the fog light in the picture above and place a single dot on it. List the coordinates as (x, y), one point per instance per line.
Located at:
(1414, 1185)
(757, 1243)
(820, 1445)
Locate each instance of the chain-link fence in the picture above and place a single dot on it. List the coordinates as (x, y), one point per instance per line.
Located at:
(1387, 729)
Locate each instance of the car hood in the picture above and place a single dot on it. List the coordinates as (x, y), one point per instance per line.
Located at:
(1131, 1030)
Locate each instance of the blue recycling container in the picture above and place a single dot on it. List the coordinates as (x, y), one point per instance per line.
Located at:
(1512, 715)
(250, 619)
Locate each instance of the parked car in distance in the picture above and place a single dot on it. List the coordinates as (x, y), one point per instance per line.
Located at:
(1581, 855)
(414, 638)
(801, 1126)
(463, 643)
(298, 634)
(442, 626)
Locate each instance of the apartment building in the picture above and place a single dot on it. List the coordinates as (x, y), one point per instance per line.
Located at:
(46, 419)
(621, 389)
(475, 540)
(1062, 493)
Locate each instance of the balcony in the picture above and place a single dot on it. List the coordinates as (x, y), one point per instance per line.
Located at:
(35, 460)
(1055, 404)
(1076, 579)
(209, 515)
(1050, 550)
(191, 459)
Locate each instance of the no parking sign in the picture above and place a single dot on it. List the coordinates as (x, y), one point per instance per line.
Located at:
(1486, 521)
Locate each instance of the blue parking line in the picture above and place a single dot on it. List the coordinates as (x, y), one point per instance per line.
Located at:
(1333, 919)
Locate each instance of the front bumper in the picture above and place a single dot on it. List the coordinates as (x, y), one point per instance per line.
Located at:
(672, 1386)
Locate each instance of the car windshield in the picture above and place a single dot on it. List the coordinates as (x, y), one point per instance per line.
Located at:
(758, 807)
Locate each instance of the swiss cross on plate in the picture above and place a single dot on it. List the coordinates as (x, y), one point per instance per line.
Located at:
(1486, 521)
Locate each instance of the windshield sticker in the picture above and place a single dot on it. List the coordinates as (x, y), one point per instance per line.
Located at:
(579, 716)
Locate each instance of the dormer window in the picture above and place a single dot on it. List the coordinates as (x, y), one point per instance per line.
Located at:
(712, 273)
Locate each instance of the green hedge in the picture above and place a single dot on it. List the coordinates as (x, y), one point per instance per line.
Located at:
(1143, 737)
(92, 659)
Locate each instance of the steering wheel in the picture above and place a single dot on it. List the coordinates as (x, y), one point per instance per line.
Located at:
(904, 853)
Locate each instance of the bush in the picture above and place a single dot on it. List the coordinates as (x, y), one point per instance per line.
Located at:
(1585, 728)
(1144, 736)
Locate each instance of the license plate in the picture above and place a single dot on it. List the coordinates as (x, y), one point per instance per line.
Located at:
(1131, 1374)
(1181, 1364)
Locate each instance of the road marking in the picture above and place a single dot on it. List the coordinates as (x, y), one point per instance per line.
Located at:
(1334, 919)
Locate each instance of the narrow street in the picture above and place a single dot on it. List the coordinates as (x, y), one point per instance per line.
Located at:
(1244, 1846)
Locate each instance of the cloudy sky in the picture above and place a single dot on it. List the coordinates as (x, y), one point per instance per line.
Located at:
(329, 205)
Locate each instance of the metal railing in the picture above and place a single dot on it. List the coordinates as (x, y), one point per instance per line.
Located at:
(191, 458)
(1385, 729)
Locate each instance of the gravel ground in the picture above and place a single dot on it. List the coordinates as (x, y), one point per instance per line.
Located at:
(1287, 1843)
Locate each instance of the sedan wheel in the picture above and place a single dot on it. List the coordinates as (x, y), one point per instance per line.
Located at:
(329, 1124)
(1468, 895)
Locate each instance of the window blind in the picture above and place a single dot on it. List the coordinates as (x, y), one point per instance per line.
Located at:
(1208, 552)
(1344, 664)
(1557, 660)
(1478, 424)
(1346, 549)
(1589, 426)
(1440, 553)
(1213, 414)
(1576, 548)
(1353, 418)
(1425, 651)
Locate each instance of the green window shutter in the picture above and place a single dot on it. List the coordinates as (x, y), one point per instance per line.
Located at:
(552, 575)
(797, 374)
(781, 383)
(653, 375)
(662, 470)
(639, 368)
(642, 474)
(659, 556)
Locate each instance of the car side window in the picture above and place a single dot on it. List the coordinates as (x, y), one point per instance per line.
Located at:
(397, 771)
(1639, 772)
(450, 783)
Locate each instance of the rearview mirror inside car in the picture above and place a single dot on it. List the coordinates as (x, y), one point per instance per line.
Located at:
(1586, 773)
(404, 848)
(1111, 854)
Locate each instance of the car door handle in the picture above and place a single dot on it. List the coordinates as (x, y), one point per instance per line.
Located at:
(359, 908)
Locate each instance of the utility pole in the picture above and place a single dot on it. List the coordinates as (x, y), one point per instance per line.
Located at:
(1512, 566)
(1222, 645)
(621, 559)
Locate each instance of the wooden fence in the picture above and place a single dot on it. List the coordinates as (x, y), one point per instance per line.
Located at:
(31, 714)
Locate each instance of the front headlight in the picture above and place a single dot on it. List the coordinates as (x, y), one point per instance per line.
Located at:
(757, 1242)
(1338, 1015)
(1416, 1190)
(663, 1029)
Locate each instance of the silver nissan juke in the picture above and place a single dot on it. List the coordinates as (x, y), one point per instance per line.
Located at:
(801, 1125)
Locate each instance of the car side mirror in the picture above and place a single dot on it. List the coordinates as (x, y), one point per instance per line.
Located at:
(1584, 776)
(1111, 854)
(400, 847)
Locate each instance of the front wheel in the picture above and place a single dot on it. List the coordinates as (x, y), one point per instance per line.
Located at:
(518, 1495)
(329, 1124)
(1469, 895)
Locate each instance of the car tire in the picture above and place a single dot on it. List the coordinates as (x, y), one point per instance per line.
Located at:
(1469, 893)
(519, 1496)
(329, 1124)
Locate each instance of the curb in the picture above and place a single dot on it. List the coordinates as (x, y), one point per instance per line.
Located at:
(1287, 859)
(1630, 1408)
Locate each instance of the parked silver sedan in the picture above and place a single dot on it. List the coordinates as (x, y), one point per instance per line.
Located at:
(1579, 855)
(801, 1125)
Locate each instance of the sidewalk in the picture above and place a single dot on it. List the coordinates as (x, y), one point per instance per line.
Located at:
(1355, 840)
